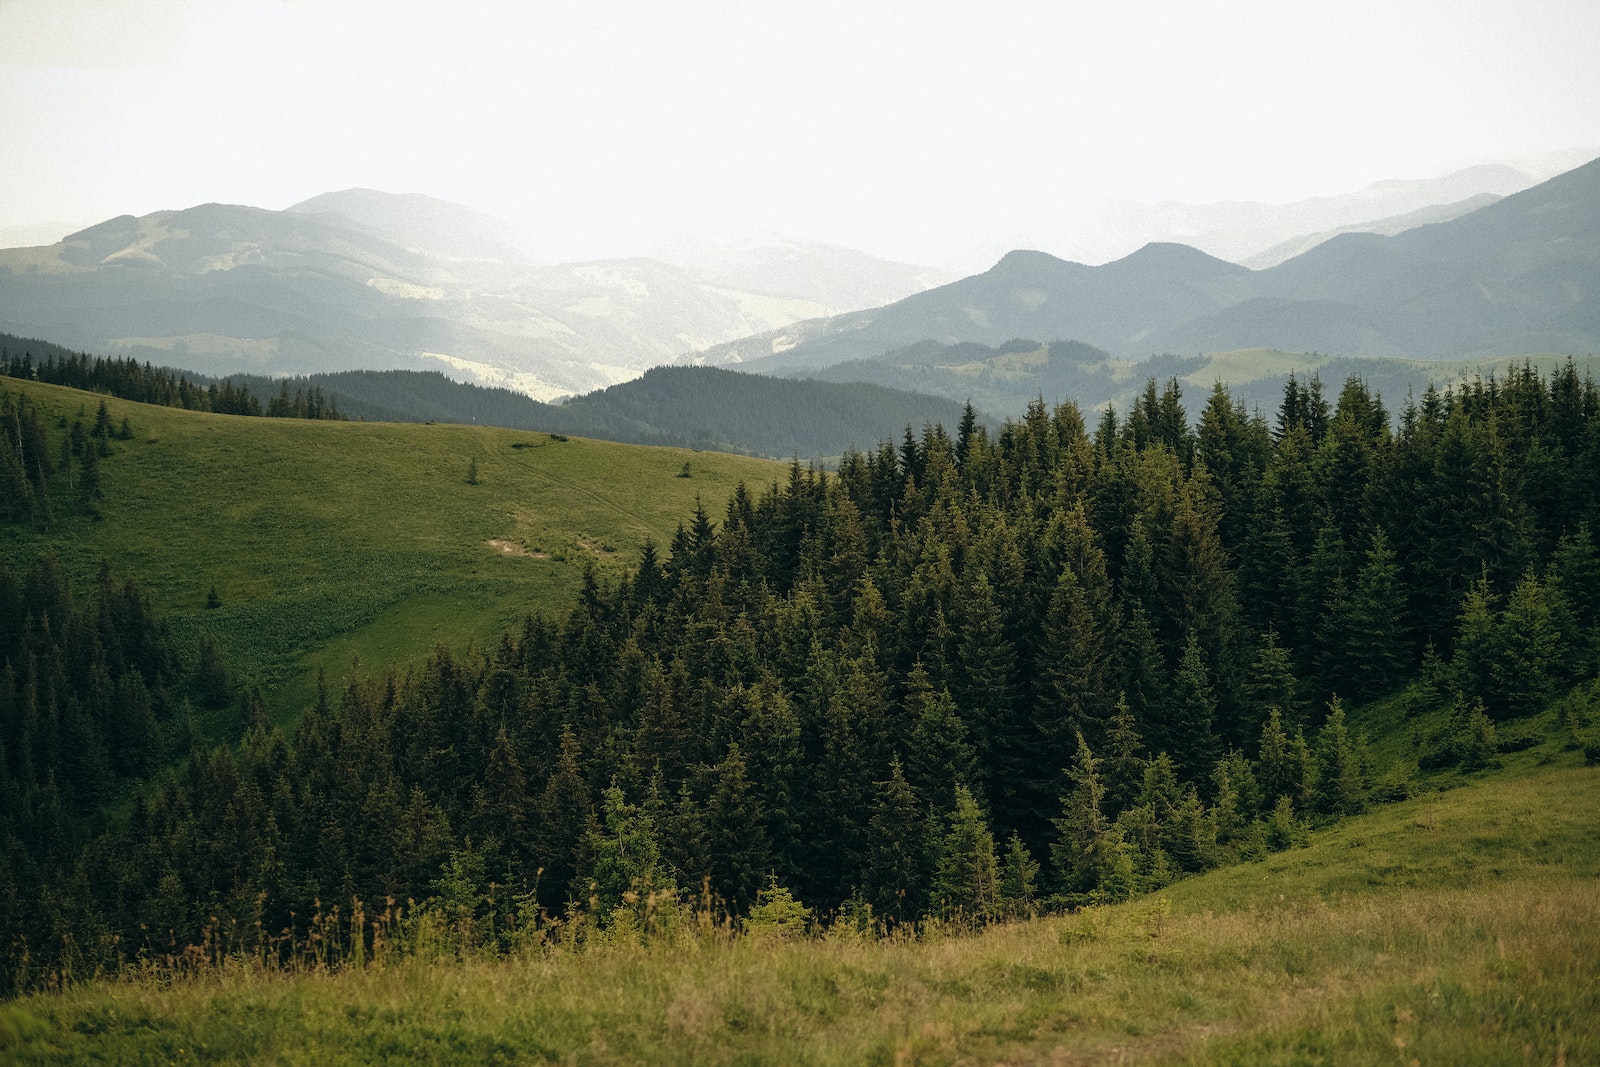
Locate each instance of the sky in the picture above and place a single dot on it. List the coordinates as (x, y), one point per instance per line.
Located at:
(913, 130)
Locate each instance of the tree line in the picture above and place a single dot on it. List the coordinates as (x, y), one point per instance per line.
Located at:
(39, 476)
(128, 379)
(969, 673)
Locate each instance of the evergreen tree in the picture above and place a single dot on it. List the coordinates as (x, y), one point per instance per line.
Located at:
(563, 815)
(896, 876)
(1477, 643)
(1374, 653)
(938, 756)
(1284, 763)
(1340, 778)
(1090, 855)
(1019, 879)
(986, 695)
(1123, 766)
(625, 872)
(967, 881)
(1529, 651)
(1271, 683)
(741, 858)
(1193, 734)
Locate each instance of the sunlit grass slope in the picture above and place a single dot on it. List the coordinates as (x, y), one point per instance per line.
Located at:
(327, 541)
(1458, 927)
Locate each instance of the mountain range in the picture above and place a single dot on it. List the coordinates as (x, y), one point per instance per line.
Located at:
(1258, 234)
(362, 280)
(1519, 275)
(368, 280)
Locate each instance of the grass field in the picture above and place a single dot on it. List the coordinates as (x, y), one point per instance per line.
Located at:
(1458, 927)
(329, 541)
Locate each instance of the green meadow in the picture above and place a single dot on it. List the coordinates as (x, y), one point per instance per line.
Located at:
(333, 542)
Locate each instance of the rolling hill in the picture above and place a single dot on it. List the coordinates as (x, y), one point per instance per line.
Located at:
(688, 407)
(332, 540)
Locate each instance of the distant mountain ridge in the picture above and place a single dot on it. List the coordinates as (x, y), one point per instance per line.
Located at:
(1390, 226)
(1519, 275)
(1246, 231)
(367, 280)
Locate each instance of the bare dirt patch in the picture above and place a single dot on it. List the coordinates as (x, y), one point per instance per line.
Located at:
(513, 548)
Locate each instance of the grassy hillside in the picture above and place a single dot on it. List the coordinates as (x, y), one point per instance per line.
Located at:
(1456, 927)
(331, 541)
(681, 407)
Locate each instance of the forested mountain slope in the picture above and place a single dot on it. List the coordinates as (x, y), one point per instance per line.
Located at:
(965, 676)
(1007, 377)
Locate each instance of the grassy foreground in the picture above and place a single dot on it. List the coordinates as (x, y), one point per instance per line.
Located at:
(328, 541)
(1458, 927)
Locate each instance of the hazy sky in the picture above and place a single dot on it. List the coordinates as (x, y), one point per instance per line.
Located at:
(910, 129)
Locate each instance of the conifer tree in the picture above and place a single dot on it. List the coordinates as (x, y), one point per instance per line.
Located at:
(1340, 778)
(563, 812)
(1019, 878)
(1123, 765)
(967, 881)
(895, 880)
(1237, 797)
(1477, 642)
(986, 696)
(736, 834)
(938, 755)
(1089, 852)
(1146, 681)
(1528, 660)
(625, 871)
(1374, 653)
(1194, 703)
(1188, 834)
(1071, 670)
(1283, 764)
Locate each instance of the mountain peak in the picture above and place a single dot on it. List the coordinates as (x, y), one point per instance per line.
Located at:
(1171, 252)
(1026, 259)
(117, 227)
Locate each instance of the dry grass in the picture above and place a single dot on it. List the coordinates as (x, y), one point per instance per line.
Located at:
(1456, 928)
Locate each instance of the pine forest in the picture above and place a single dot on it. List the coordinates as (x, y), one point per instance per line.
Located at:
(975, 674)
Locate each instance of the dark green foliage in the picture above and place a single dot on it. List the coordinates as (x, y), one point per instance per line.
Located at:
(854, 684)
(967, 879)
(1090, 855)
(624, 875)
(1339, 772)
(1191, 732)
(895, 880)
(1375, 654)
(128, 379)
(692, 407)
(736, 835)
(1283, 764)
(1019, 879)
